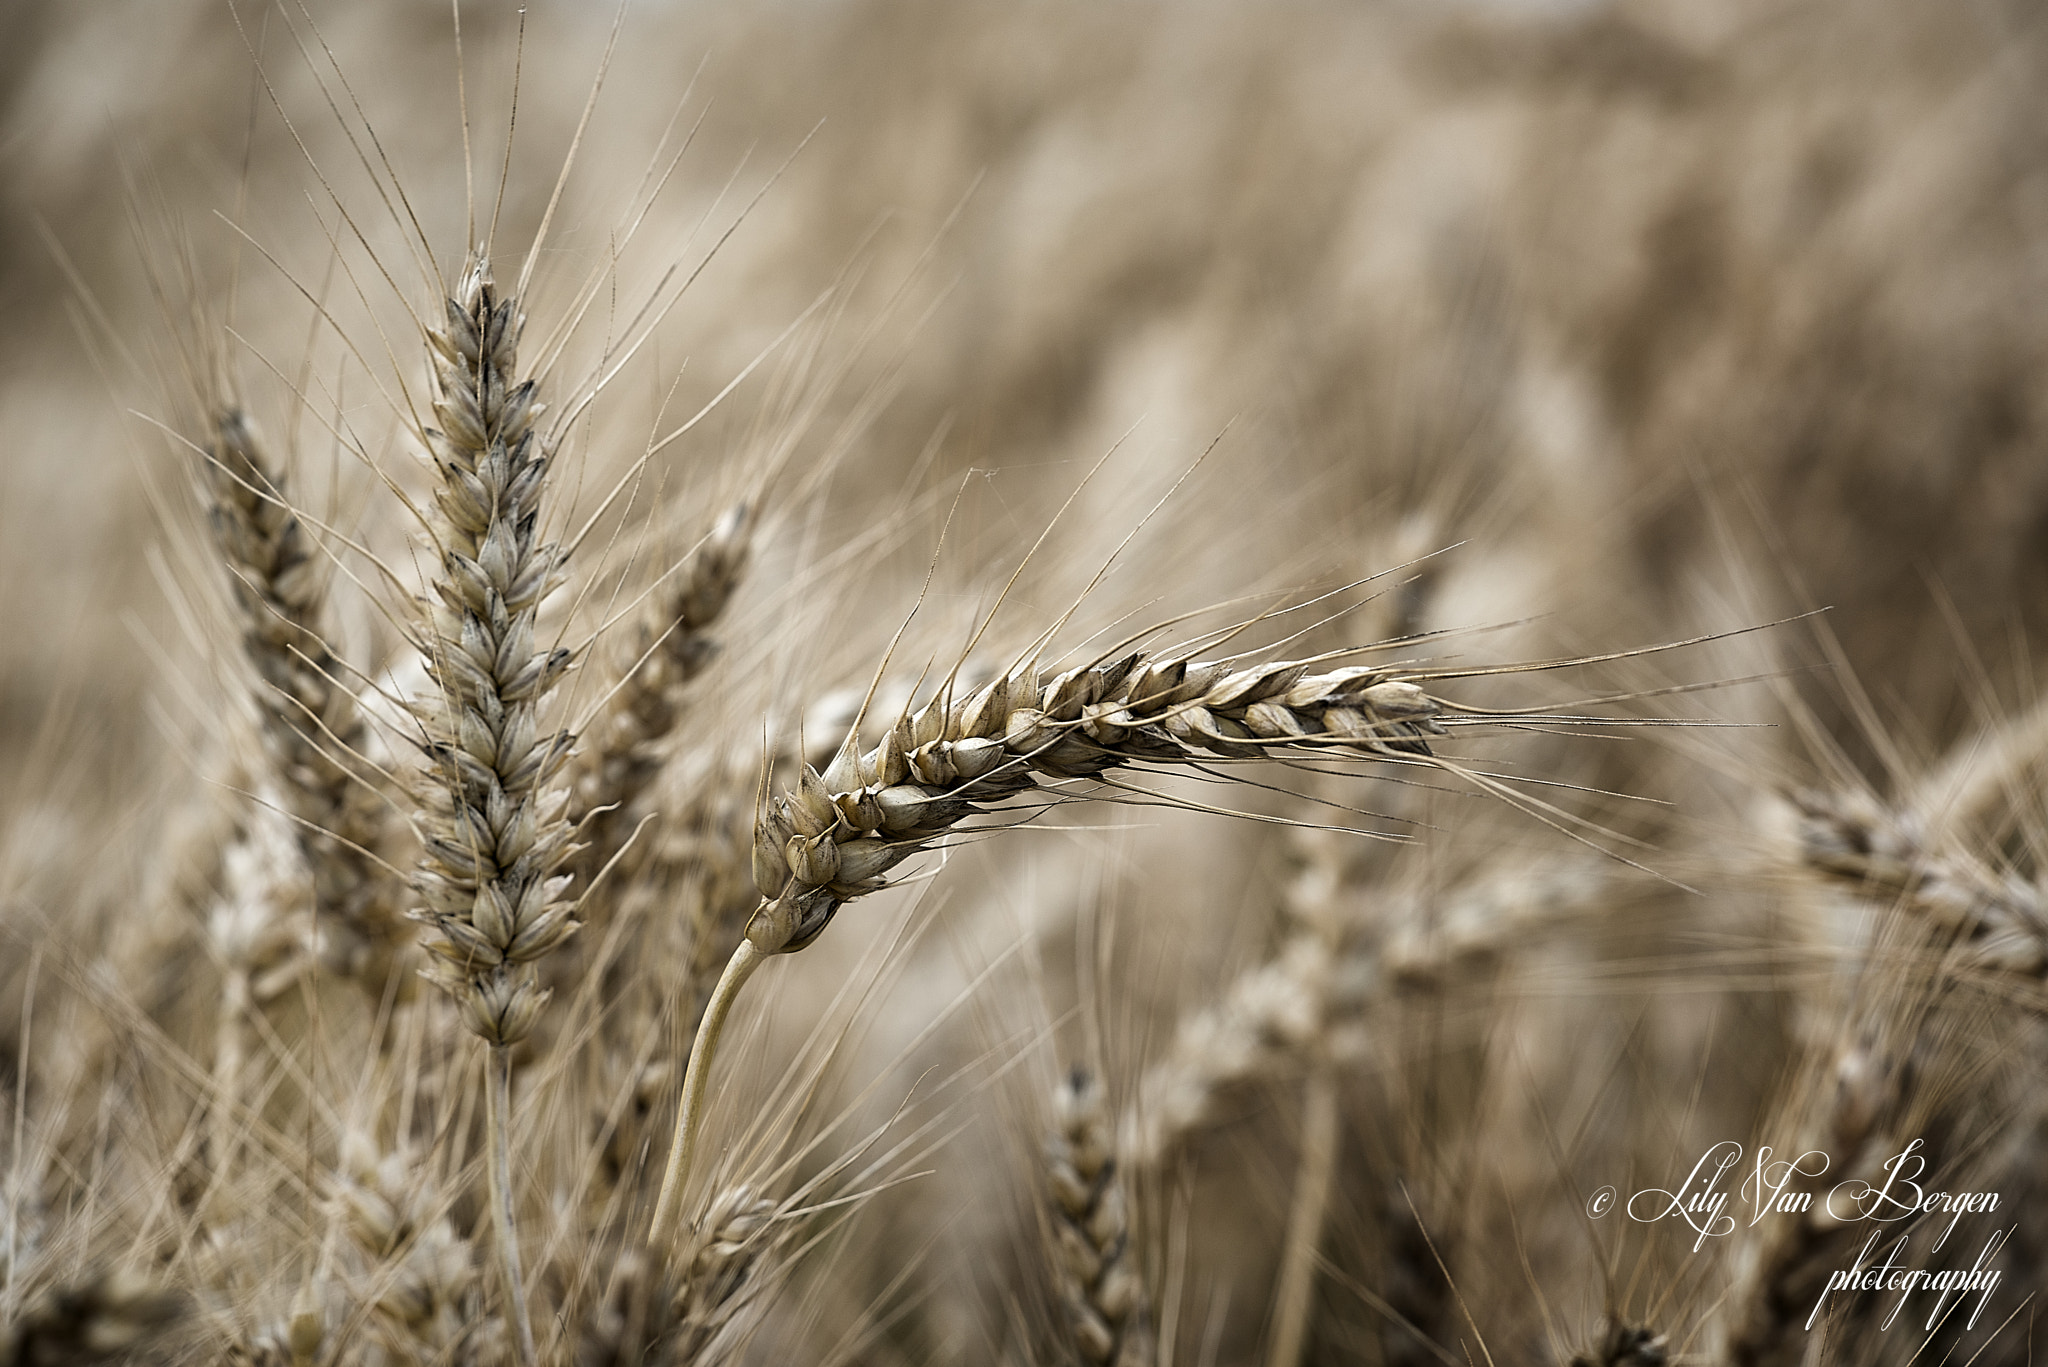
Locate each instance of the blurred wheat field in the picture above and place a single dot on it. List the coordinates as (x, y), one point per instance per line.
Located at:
(884, 345)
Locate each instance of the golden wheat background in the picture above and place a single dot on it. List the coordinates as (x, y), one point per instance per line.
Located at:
(1585, 327)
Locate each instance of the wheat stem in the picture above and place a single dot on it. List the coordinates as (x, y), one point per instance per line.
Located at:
(690, 1119)
(1294, 1291)
(498, 1119)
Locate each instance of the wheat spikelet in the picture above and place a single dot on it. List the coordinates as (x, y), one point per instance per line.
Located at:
(311, 730)
(1100, 1285)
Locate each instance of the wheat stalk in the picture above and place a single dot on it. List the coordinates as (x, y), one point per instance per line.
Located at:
(840, 832)
(493, 830)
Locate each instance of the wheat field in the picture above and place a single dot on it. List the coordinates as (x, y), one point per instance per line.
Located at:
(885, 682)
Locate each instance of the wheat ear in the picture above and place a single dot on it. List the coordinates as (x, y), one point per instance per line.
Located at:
(420, 1277)
(1311, 997)
(620, 755)
(1768, 1320)
(494, 834)
(668, 648)
(740, 1230)
(658, 1312)
(1099, 1282)
(841, 831)
(2001, 921)
(260, 952)
(311, 729)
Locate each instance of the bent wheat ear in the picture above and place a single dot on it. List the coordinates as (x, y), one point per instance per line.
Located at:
(841, 831)
(838, 835)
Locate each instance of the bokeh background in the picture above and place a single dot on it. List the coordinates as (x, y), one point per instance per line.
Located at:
(1597, 325)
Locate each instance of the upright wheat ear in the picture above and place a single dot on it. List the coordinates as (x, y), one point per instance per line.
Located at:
(668, 648)
(492, 827)
(494, 833)
(1100, 1285)
(310, 725)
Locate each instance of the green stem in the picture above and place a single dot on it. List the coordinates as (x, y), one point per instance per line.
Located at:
(738, 969)
(498, 1116)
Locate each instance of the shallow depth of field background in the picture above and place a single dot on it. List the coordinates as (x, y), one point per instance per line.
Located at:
(1600, 325)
